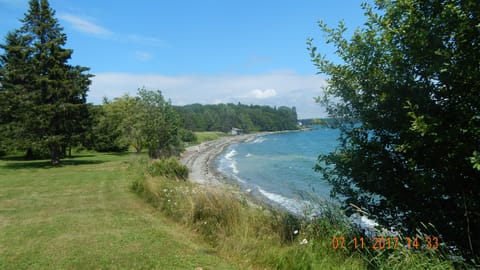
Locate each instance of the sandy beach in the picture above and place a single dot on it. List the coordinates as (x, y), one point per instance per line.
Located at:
(199, 159)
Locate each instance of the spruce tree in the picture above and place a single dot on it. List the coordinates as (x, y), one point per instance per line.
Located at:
(45, 97)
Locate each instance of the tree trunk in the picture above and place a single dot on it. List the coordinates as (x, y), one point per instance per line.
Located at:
(63, 151)
(54, 153)
(29, 154)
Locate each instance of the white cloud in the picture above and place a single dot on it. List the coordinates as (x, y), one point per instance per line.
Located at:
(262, 94)
(144, 40)
(281, 88)
(143, 56)
(85, 26)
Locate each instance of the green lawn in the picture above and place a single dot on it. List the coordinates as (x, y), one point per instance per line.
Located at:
(83, 215)
(203, 136)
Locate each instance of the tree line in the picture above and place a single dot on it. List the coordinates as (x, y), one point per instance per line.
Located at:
(145, 121)
(44, 112)
(249, 118)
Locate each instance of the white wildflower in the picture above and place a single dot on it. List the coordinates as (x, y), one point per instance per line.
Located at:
(304, 242)
(295, 232)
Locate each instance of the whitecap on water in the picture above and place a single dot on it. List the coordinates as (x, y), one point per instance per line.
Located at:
(259, 140)
(233, 166)
(291, 205)
(231, 154)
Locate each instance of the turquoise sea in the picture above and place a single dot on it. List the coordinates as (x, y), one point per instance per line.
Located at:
(278, 168)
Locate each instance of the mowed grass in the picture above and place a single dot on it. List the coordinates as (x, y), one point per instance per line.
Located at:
(204, 136)
(83, 215)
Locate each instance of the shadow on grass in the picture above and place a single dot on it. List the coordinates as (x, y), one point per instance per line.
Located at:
(19, 162)
(120, 154)
(23, 159)
(46, 164)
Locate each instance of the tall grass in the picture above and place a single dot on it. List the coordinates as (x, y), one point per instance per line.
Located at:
(257, 236)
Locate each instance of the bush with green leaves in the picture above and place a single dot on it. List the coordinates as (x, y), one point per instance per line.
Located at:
(168, 167)
(407, 90)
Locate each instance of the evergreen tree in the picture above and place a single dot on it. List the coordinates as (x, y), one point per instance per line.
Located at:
(15, 73)
(45, 97)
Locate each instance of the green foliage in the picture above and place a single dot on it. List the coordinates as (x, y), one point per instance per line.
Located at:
(224, 117)
(43, 97)
(410, 77)
(125, 114)
(114, 127)
(168, 167)
(143, 121)
(160, 124)
(188, 136)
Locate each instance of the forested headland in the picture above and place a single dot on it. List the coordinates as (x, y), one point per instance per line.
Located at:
(126, 122)
(249, 118)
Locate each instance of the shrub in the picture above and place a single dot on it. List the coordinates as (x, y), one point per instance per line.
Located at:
(169, 168)
(188, 135)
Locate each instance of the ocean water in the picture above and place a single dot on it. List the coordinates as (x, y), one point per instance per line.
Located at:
(278, 168)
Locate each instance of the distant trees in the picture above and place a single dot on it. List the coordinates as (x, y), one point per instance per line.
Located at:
(43, 98)
(144, 121)
(411, 78)
(223, 117)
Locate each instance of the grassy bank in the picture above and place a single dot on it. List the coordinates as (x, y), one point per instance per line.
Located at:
(256, 236)
(83, 215)
(252, 236)
(204, 136)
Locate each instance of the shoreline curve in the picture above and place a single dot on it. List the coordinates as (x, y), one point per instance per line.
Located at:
(199, 158)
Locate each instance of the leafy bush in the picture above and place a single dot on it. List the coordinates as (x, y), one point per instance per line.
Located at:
(188, 135)
(169, 168)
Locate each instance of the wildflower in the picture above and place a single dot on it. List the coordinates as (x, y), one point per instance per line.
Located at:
(168, 200)
(295, 232)
(304, 242)
(165, 190)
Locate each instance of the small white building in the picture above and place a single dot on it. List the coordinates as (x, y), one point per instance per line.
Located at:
(236, 131)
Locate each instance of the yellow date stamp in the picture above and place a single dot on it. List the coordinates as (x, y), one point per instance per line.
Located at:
(385, 242)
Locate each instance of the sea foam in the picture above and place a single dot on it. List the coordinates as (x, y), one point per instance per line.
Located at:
(259, 140)
(231, 154)
(291, 205)
(232, 164)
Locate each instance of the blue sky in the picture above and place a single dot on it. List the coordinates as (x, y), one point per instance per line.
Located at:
(204, 51)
